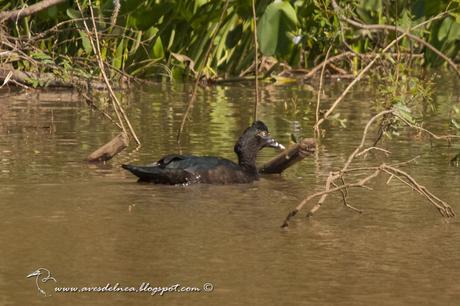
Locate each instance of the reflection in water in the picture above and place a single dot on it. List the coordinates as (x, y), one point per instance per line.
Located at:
(93, 224)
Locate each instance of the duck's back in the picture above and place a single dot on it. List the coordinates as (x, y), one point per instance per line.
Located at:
(184, 169)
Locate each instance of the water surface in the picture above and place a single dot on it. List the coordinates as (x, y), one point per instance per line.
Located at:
(93, 224)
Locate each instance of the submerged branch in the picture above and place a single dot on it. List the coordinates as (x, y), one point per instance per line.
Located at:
(110, 149)
(289, 157)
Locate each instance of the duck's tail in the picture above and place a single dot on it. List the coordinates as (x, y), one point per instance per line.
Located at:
(144, 173)
(158, 175)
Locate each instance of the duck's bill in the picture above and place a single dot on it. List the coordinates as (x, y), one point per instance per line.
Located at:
(270, 142)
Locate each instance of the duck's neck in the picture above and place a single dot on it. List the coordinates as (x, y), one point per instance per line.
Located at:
(247, 162)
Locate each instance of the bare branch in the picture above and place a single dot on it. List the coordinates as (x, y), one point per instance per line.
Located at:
(27, 11)
(365, 151)
(435, 136)
(321, 78)
(394, 172)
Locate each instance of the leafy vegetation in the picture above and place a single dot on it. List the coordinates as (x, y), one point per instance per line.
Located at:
(168, 38)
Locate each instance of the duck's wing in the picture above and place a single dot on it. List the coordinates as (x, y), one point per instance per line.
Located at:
(196, 164)
(210, 169)
(171, 159)
(172, 169)
(160, 175)
(184, 169)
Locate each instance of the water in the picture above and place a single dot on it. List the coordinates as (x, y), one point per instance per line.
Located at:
(91, 225)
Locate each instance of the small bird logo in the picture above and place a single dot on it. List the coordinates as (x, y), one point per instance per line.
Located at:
(43, 275)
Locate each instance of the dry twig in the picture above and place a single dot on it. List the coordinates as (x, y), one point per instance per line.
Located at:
(318, 101)
(27, 11)
(119, 111)
(256, 59)
(331, 184)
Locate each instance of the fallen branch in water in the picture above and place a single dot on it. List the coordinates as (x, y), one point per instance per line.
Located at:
(336, 179)
(289, 157)
(110, 149)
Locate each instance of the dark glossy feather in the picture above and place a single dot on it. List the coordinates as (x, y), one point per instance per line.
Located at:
(184, 169)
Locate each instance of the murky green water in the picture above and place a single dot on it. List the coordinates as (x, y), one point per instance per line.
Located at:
(92, 225)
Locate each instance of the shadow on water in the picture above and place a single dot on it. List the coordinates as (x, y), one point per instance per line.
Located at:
(93, 224)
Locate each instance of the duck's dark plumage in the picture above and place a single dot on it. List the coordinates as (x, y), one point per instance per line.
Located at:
(183, 169)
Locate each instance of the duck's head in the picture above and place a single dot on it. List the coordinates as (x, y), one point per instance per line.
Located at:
(253, 139)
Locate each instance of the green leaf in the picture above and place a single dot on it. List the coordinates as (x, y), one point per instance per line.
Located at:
(454, 33)
(445, 28)
(277, 21)
(157, 50)
(85, 42)
(136, 44)
(405, 21)
(74, 14)
(118, 56)
(150, 33)
(40, 55)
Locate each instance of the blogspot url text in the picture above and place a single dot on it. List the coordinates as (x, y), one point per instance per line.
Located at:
(145, 288)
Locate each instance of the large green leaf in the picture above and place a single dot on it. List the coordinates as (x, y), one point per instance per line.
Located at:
(454, 33)
(445, 28)
(85, 42)
(118, 56)
(74, 14)
(273, 29)
(157, 50)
